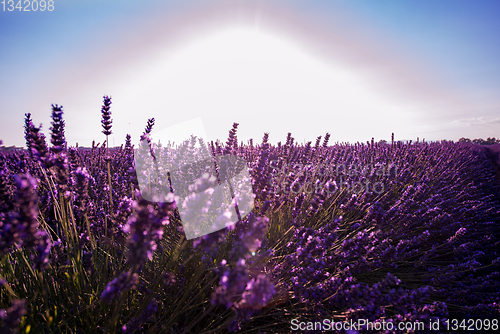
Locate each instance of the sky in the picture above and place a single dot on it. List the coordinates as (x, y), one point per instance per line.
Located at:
(356, 69)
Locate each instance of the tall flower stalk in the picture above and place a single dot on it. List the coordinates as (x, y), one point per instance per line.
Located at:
(106, 117)
(58, 158)
(28, 129)
(106, 125)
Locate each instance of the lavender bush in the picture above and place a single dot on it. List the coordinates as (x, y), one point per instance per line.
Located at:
(379, 231)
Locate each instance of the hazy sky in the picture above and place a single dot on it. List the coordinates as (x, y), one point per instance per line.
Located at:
(356, 69)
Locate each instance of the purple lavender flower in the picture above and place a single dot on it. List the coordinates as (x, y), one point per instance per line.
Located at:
(73, 158)
(23, 228)
(149, 126)
(256, 233)
(145, 146)
(129, 160)
(128, 143)
(27, 209)
(117, 222)
(81, 179)
(106, 116)
(210, 243)
(232, 141)
(140, 240)
(58, 155)
(38, 146)
(325, 141)
(5, 191)
(458, 235)
(196, 205)
(261, 172)
(58, 139)
(232, 284)
(28, 128)
(42, 249)
(146, 135)
(258, 293)
(12, 317)
(145, 229)
(124, 282)
(21, 222)
(124, 210)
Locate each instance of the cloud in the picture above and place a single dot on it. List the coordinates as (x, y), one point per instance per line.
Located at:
(471, 121)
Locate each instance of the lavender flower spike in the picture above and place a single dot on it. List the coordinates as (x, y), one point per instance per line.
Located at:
(58, 139)
(58, 157)
(28, 128)
(258, 293)
(106, 116)
(124, 282)
(145, 229)
(24, 227)
(35, 141)
(21, 225)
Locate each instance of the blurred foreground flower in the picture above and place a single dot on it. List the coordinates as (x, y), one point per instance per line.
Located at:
(11, 318)
(124, 282)
(145, 229)
(22, 228)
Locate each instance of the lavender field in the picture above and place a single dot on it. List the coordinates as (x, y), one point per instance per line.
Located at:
(386, 232)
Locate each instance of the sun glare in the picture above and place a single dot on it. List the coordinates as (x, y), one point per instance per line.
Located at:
(240, 73)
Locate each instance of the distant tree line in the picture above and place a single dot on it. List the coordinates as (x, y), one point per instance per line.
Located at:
(480, 141)
(489, 141)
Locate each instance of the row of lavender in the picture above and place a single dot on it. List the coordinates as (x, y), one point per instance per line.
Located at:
(385, 232)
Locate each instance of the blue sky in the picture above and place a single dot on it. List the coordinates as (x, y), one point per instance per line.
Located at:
(356, 69)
